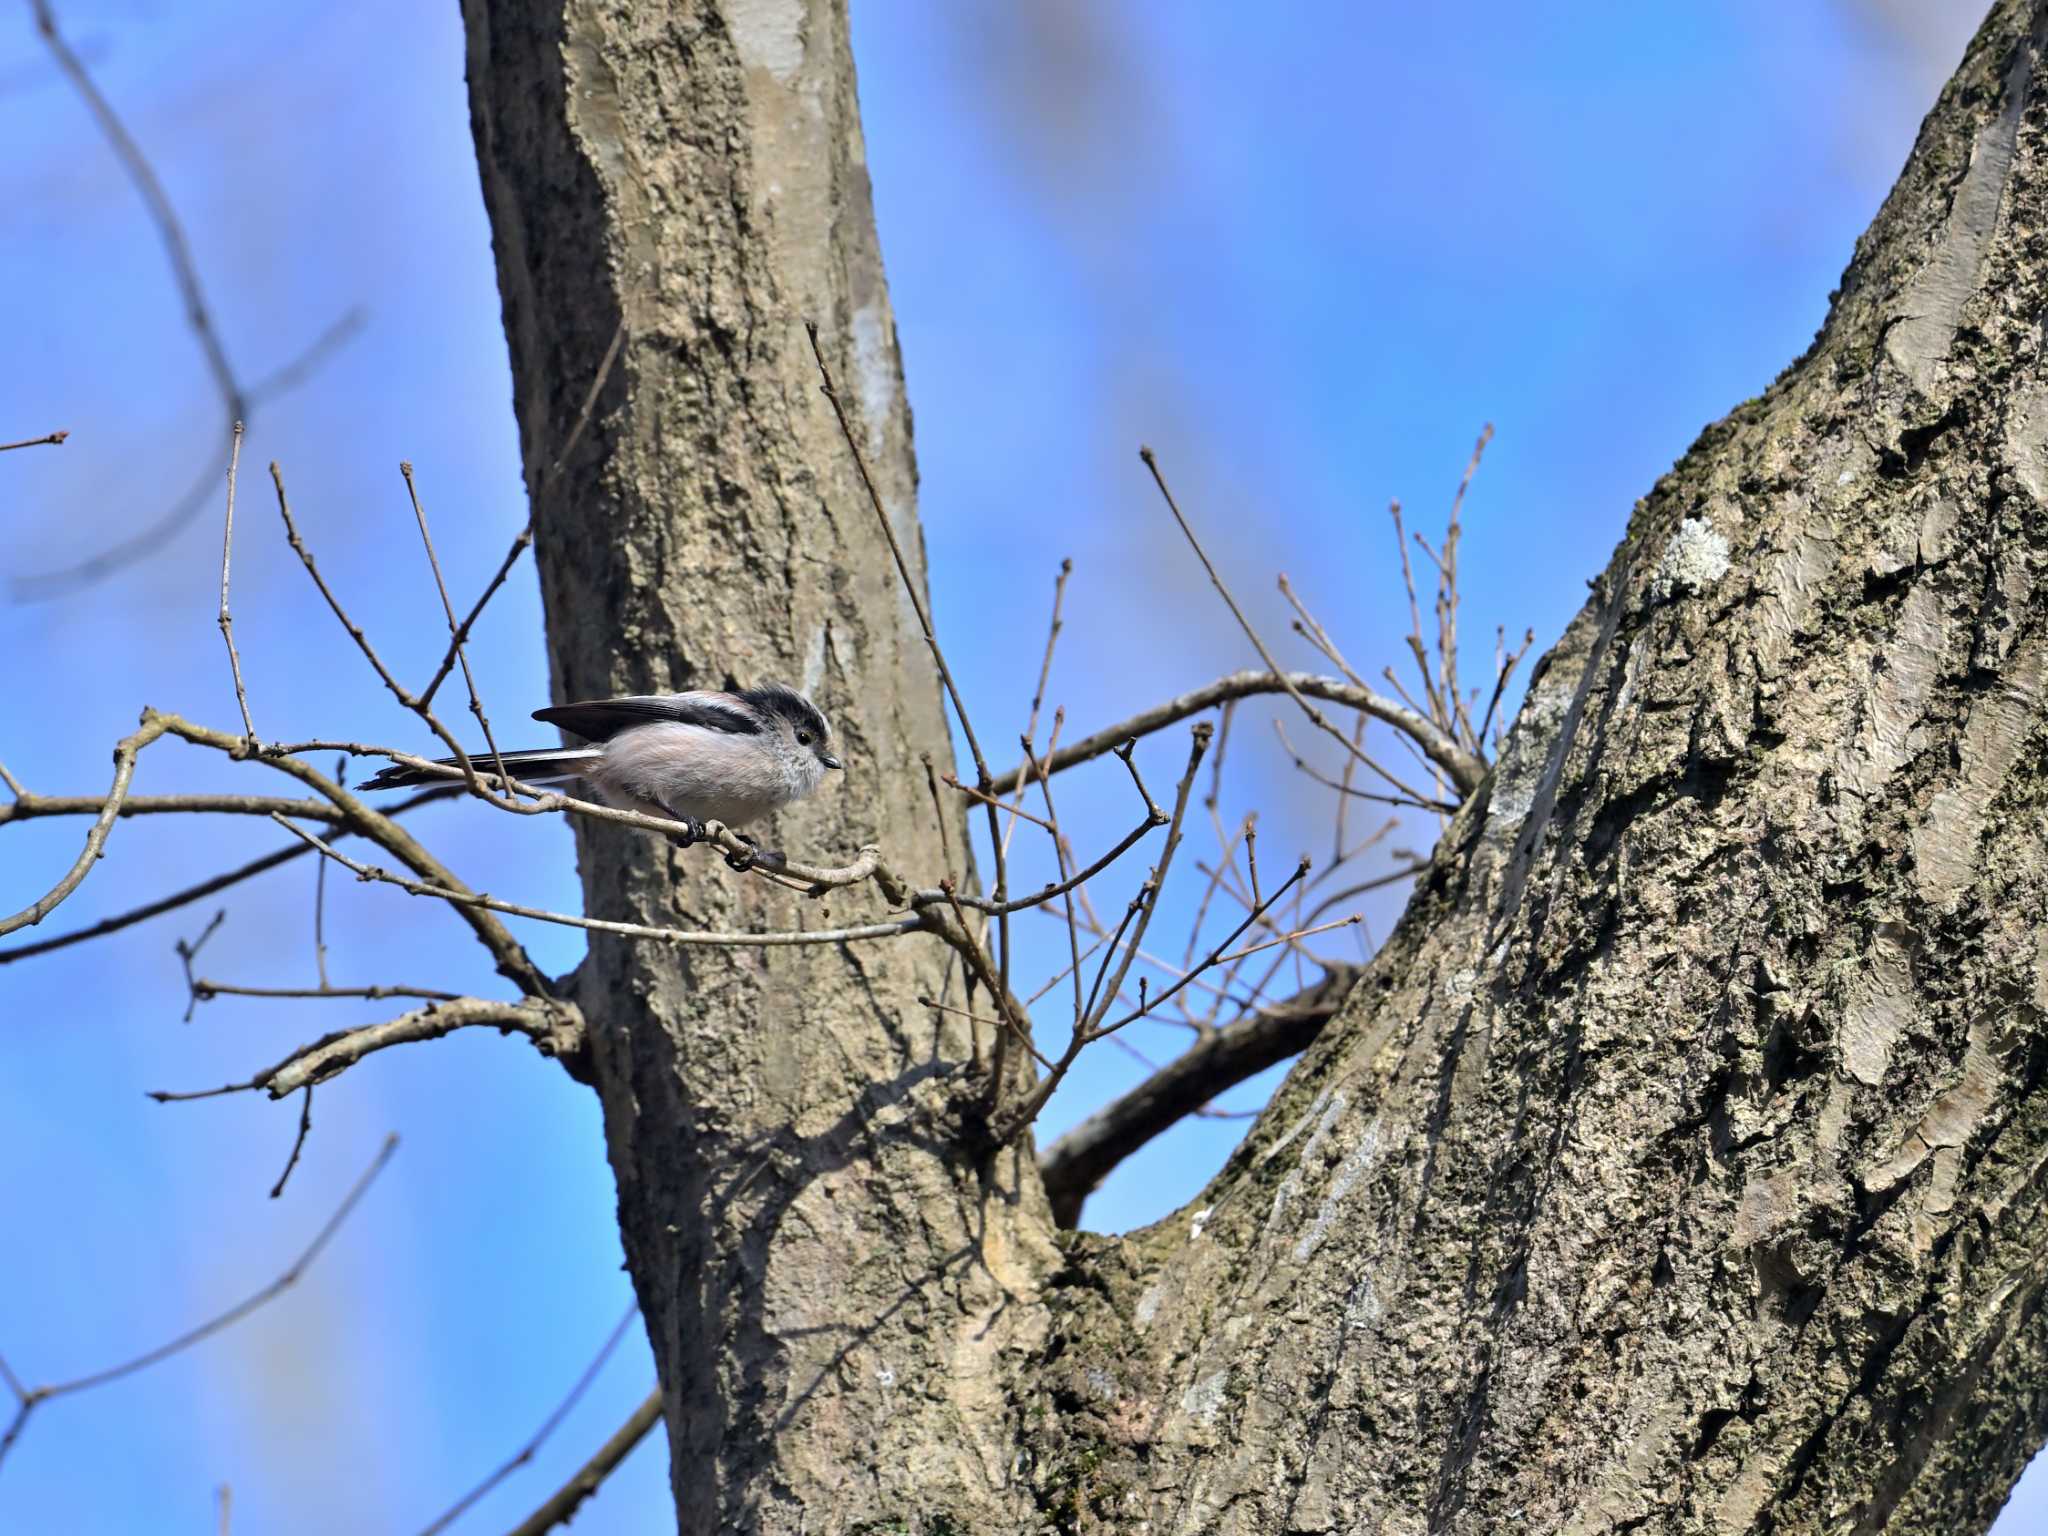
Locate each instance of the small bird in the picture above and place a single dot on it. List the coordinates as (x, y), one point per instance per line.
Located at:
(692, 757)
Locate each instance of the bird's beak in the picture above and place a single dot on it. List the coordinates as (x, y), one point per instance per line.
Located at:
(829, 762)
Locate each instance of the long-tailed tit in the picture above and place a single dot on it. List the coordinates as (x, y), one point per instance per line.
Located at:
(692, 757)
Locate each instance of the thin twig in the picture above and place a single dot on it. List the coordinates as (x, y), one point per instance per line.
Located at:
(1137, 918)
(187, 950)
(1414, 799)
(931, 640)
(355, 631)
(294, 371)
(1292, 936)
(1015, 812)
(1059, 845)
(1216, 955)
(52, 438)
(227, 624)
(1226, 858)
(168, 229)
(476, 703)
(931, 779)
(1437, 713)
(1500, 681)
(1052, 636)
(1377, 882)
(31, 1397)
(1448, 597)
(1436, 736)
(298, 1141)
(320, 896)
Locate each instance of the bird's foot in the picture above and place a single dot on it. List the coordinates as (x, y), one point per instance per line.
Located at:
(744, 859)
(691, 834)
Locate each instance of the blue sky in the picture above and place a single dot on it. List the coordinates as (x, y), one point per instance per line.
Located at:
(1304, 259)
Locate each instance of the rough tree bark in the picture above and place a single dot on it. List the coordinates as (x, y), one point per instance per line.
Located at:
(837, 1290)
(1677, 1166)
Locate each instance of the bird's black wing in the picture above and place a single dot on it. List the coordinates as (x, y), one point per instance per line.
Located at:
(602, 719)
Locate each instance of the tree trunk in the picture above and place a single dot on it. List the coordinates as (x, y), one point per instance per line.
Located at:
(1677, 1165)
(836, 1289)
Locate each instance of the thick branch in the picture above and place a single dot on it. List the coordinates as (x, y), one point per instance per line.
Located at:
(1074, 1166)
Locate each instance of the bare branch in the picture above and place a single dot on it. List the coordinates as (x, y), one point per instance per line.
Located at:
(168, 229)
(406, 699)
(320, 896)
(556, 1027)
(30, 1398)
(562, 1505)
(1432, 735)
(249, 804)
(1459, 765)
(209, 989)
(1059, 844)
(1500, 681)
(1137, 917)
(293, 372)
(511, 959)
(187, 950)
(461, 898)
(525, 1453)
(237, 403)
(95, 840)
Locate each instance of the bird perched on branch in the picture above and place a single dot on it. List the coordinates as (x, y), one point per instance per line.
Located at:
(692, 757)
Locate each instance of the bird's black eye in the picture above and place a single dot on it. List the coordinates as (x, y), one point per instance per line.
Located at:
(803, 738)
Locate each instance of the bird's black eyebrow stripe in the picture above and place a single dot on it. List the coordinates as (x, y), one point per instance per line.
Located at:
(780, 699)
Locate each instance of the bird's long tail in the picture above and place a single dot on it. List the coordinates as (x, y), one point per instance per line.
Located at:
(547, 765)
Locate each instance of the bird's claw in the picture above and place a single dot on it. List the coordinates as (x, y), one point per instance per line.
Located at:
(691, 834)
(744, 859)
